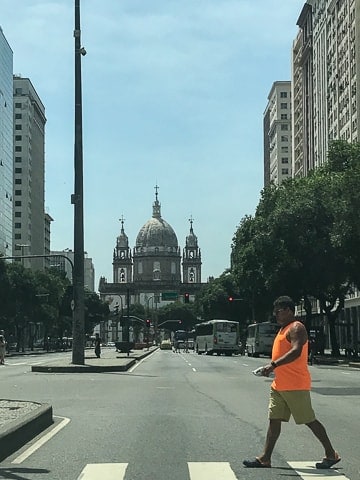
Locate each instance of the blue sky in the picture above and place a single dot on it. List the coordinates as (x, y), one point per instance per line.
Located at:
(173, 94)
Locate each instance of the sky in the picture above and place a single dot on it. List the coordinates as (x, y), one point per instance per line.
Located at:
(173, 94)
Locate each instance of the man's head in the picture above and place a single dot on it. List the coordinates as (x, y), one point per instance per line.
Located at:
(284, 309)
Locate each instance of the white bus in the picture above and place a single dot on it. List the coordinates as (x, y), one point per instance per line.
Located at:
(260, 338)
(217, 336)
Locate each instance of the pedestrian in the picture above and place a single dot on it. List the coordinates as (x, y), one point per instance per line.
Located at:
(2, 349)
(290, 389)
(97, 345)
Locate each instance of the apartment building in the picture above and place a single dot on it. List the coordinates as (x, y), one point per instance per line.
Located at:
(277, 134)
(29, 173)
(326, 65)
(66, 265)
(6, 146)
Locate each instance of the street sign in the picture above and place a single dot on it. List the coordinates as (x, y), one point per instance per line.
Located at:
(165, 296)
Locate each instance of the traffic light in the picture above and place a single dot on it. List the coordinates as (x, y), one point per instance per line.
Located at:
(231, 299)
(186, 297)
(148, 323)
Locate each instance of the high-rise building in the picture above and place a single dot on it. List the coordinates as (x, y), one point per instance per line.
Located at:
(66, 265)
(277, 137)
(6, 146)
(29, 173)
(326, 60)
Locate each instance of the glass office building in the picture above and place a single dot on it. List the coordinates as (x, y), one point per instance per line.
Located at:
(6, 145)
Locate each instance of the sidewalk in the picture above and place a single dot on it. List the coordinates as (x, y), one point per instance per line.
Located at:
(21, 421)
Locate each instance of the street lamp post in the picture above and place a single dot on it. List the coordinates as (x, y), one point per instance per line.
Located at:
(78, 353)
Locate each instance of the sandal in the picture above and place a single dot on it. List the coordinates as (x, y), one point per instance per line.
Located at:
(256, 464)
(328, 462)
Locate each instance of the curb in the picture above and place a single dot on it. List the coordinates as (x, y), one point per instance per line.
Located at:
(19, 432)
(82, 368)
(87, 368)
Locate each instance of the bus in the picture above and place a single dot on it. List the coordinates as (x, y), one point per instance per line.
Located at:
(217, 336)
(260, 338)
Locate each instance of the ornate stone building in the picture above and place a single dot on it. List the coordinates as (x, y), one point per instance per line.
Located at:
(154, 273)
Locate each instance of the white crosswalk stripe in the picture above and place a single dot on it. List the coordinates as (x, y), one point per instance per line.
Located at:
(206, 471)
(210, 471)
(105, 471)
(307, 471)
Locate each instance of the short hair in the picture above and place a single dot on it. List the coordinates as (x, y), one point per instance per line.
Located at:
(285, 302)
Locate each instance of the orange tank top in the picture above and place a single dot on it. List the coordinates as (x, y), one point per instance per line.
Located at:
(294, 375)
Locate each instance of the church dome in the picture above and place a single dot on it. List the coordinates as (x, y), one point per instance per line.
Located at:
(156, 233)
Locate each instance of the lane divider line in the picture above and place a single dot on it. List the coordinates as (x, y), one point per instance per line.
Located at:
(39, 443)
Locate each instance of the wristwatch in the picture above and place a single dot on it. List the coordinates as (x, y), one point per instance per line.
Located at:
(273, 364)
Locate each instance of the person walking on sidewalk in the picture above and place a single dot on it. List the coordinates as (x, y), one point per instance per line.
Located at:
(97, 345)
(290, 389)
(2, 349)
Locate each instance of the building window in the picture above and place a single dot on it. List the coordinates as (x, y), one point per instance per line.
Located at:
(140, 268)
(17, 236)
(284, 171)
(18, 127)
(283, 106)
(285, 160)
(17, 159)
(284, 149)
(18, 181)
(18, 148)
(18, 170)
(17, 214)
(283, 94)
(18, 91)
(18, 138)
(17, 225)
(17, 203)
(17, 192)
(284, 138)
(17, 105)
(18, 116)
(284, 126)
(191, 275)
(283, 116)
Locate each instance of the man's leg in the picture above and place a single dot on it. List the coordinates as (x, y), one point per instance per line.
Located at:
(319, 431)
(272, 435)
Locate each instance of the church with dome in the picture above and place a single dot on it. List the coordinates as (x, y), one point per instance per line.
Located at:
(154, 272)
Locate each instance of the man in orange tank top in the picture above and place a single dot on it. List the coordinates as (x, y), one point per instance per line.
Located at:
(290, 390)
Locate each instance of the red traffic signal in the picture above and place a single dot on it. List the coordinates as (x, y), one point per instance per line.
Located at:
(148, 322)
(231, 299)
(186, 297)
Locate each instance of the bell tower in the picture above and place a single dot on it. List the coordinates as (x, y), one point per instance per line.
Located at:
(122, 259)
(191, 258)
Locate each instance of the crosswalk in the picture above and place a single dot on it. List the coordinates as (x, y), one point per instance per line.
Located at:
(207, 471)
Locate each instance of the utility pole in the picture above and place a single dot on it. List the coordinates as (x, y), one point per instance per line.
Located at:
(78, 353)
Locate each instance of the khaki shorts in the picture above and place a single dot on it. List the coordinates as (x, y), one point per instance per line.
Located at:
(291, 402)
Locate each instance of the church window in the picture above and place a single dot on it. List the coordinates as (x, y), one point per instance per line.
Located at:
(191, 254)
(140, 268)
(156, 271)
(191, 275)
(156, 249)
(122, 275)
(122, 254)
(173, 267)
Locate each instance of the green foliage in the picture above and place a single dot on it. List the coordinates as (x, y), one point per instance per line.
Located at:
(303, 239)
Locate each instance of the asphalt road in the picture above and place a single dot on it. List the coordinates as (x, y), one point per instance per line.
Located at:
(179, 417)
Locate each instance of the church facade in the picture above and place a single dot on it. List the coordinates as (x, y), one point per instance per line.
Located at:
(154, 272)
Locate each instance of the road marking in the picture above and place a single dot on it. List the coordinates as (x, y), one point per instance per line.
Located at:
(142, 360)
(210, 471)
(194, 369)
(29, 451)
(307, 470)
(105, 471)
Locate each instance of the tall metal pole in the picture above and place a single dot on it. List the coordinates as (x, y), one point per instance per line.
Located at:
(78, 352)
